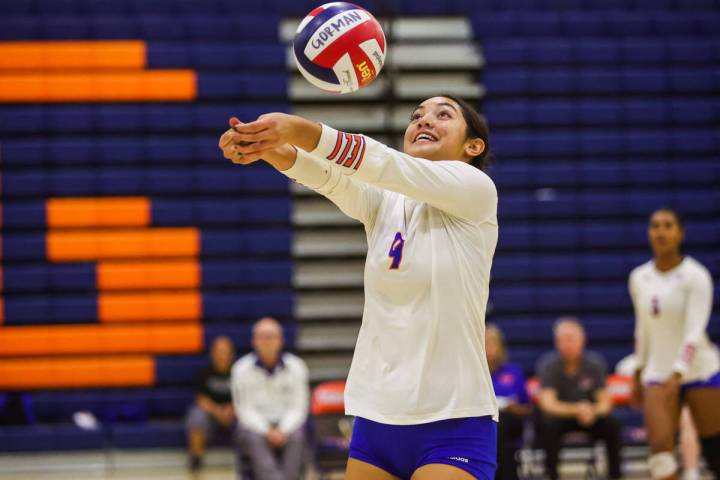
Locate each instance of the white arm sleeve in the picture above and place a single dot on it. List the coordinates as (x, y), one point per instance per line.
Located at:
(640, 329)
(247, 415)
(355, 199)
(454, 187)
(296, 414)
(697, 316)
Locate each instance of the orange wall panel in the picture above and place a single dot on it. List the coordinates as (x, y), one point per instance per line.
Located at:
(82, 372)
(100, 339)
(147, 85)
(98, 212)
(148, 275)
(91, 55)
(148, 306)
(105, 244)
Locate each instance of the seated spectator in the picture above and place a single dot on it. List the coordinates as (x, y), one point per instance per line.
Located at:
(573, 397)
(271, 396)
(213, 408)
(513, 401)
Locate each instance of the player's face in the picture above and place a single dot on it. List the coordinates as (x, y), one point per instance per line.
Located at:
(222, 354)
(267, 342)
(570, 342)
(664, 233)
(492, 348)
(437, 131)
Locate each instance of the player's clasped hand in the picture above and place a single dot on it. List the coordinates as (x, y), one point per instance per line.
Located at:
(245, 143)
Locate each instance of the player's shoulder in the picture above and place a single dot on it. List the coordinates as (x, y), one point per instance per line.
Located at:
(645, 268)
(696, 269)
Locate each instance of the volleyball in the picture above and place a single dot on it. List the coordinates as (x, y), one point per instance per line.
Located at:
(339, 47)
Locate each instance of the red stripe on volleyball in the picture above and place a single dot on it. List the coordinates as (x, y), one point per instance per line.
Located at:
(338, 142)
(349, 140)
(361, 156)
(348, 42)
(353, 156)
(316, 11)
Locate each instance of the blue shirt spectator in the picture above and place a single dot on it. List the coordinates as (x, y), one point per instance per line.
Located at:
(509, 384)
(513, 402)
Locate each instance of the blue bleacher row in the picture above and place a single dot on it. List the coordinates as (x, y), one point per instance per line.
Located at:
(174, 212)
(545, 297)
(596, 234)
(611, 51)
(608, 112)
(46, 277)
(226, 178)
(247, 26)
(221, 178)
(605, 173)
(198, 26)
(300, 7)
(199, 211)
(114, 150)
(244, 242)
(65, 309)
(588, 204)
(588, 267)
(127, 117)
(567, 235)
(204, 55)
(597, 81)
(521, 143)
(545, 51)
(169, 118)
(278, 273)
(599, 329)
(541, 297)
(590, 24)
(157, 149)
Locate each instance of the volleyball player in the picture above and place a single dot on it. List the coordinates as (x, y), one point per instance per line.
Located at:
(672, 296)
(419, 384)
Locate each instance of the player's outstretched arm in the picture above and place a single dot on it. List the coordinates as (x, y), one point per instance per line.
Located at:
(357, 200)
(452, 186)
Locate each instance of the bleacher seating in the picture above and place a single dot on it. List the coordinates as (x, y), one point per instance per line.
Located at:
(128, 242)
(600, 111)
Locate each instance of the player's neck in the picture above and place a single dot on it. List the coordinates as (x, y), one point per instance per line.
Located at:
(664, 263)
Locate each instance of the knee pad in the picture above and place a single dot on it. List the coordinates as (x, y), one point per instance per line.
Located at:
(662, 465)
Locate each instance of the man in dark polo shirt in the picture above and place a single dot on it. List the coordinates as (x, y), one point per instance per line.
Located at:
(213, 408)
(573, 397)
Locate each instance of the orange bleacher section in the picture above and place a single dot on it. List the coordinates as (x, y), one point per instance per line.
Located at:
(87, 71)
(142, 321)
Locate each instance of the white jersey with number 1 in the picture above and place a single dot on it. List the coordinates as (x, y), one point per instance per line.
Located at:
(432, 231)
(672, 310)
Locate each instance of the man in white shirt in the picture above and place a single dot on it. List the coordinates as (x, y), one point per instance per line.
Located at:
(270, 394)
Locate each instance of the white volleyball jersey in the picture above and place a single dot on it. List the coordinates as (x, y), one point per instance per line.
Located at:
(672, 310)
(432, 231)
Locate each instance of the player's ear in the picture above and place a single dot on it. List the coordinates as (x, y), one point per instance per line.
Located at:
(474, 147)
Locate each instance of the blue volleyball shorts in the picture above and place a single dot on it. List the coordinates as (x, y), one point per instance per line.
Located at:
(469, 444)
(712, 382)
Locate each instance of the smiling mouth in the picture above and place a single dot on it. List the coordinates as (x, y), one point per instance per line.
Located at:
(425, 137)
